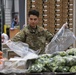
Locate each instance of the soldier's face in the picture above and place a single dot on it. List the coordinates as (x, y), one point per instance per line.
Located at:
(33, 20)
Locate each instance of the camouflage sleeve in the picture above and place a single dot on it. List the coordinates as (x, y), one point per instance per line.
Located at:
(48, 35)
(20, 36)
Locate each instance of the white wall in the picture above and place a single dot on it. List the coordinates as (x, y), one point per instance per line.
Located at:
(16, 2)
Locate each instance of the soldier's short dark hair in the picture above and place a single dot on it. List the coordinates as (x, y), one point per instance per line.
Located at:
(33, 12)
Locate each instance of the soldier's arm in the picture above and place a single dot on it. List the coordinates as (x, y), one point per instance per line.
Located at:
(49, 36)
(20, 36)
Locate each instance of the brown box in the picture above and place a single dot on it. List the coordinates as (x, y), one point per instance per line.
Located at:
(13, 32)
(11, 54)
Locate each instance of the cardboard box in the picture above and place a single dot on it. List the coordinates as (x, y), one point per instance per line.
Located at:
(12, 54)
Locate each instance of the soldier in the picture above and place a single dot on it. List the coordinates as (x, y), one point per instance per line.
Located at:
(35, 36)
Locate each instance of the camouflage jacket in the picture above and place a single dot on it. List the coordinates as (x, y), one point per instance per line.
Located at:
(35, 38)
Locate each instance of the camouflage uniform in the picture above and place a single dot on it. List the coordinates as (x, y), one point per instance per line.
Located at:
(35, 38)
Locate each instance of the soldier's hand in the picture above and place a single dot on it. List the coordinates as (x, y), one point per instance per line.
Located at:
(65, 25)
